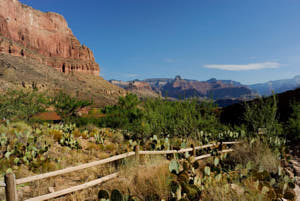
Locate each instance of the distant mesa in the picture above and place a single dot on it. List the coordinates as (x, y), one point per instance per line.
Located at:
(224, 92)
(179, 88)
(140, 88)
(44, 37)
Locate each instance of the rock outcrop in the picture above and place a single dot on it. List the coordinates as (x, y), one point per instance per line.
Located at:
(179, 88)
(44, 37)
(142, 89)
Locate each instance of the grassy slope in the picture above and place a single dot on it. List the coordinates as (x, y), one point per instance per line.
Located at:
(16, 72)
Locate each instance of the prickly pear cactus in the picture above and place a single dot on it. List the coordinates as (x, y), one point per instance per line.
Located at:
(103, 194)
(153, 197)
(174, 166)
(116, 195)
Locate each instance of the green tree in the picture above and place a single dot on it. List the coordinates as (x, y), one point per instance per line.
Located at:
(21, 104)
(67, 106)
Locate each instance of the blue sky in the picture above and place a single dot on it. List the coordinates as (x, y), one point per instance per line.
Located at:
(244, 40)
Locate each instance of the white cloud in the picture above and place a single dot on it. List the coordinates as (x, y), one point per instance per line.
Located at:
(251, 66)
(169, 60)
(131, 75)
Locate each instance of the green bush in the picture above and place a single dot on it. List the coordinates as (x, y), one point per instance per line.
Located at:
(180, 118)
(293, 125)
(261, 119)
(67, 106)
(143, 119)
(262, 114)
(21, 104)
(126, 114)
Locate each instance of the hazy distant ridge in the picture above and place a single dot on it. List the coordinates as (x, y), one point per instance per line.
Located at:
(278, 86)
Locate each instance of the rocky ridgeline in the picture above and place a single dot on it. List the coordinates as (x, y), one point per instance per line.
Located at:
(44, 37)
(179, 88)
(142, 89)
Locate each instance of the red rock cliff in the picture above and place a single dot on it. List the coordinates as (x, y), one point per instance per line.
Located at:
(45, 37)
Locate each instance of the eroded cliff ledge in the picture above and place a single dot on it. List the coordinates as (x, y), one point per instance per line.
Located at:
(44, 37)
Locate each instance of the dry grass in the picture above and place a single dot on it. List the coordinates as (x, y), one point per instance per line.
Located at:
(261, 155)
(57, 183)
(144, 181)
(62, 157)
(233, 192)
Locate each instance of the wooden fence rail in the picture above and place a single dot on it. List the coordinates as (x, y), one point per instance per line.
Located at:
(2, 184)
(11, 182)
(74, 188)
(209, 155)
(73, 169)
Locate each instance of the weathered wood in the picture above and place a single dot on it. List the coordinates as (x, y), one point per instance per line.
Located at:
(232, 142)
(194, 150)
(74, 188)
(209, 155)
(2, 184)
(215, 144)
(205, 146)
(137, 154)
(202, 157)
(158, 152)
(226, 151)
(11, 187)
(185, 150)
(72, 169)
(166, 151)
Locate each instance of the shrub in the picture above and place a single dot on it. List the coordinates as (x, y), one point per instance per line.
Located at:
(262, 114)
(67, 106)
(160, 117)
(293, 125)
(21, 104)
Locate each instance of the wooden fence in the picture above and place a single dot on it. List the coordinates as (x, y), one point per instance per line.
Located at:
(10, 181)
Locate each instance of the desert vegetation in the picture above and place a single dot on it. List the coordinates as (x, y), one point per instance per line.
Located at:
(258, 169)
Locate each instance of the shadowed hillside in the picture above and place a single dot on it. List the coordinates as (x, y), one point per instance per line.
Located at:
(233, 114)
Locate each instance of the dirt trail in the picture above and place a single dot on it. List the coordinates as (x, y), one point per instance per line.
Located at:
(296, 166)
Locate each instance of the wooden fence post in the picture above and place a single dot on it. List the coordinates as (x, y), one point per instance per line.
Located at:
(11, 187)
(194, 150)
(137, 154)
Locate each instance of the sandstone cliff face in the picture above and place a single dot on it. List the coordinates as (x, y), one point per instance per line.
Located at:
(44, 37)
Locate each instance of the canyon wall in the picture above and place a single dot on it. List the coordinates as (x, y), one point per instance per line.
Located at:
(44, 37)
